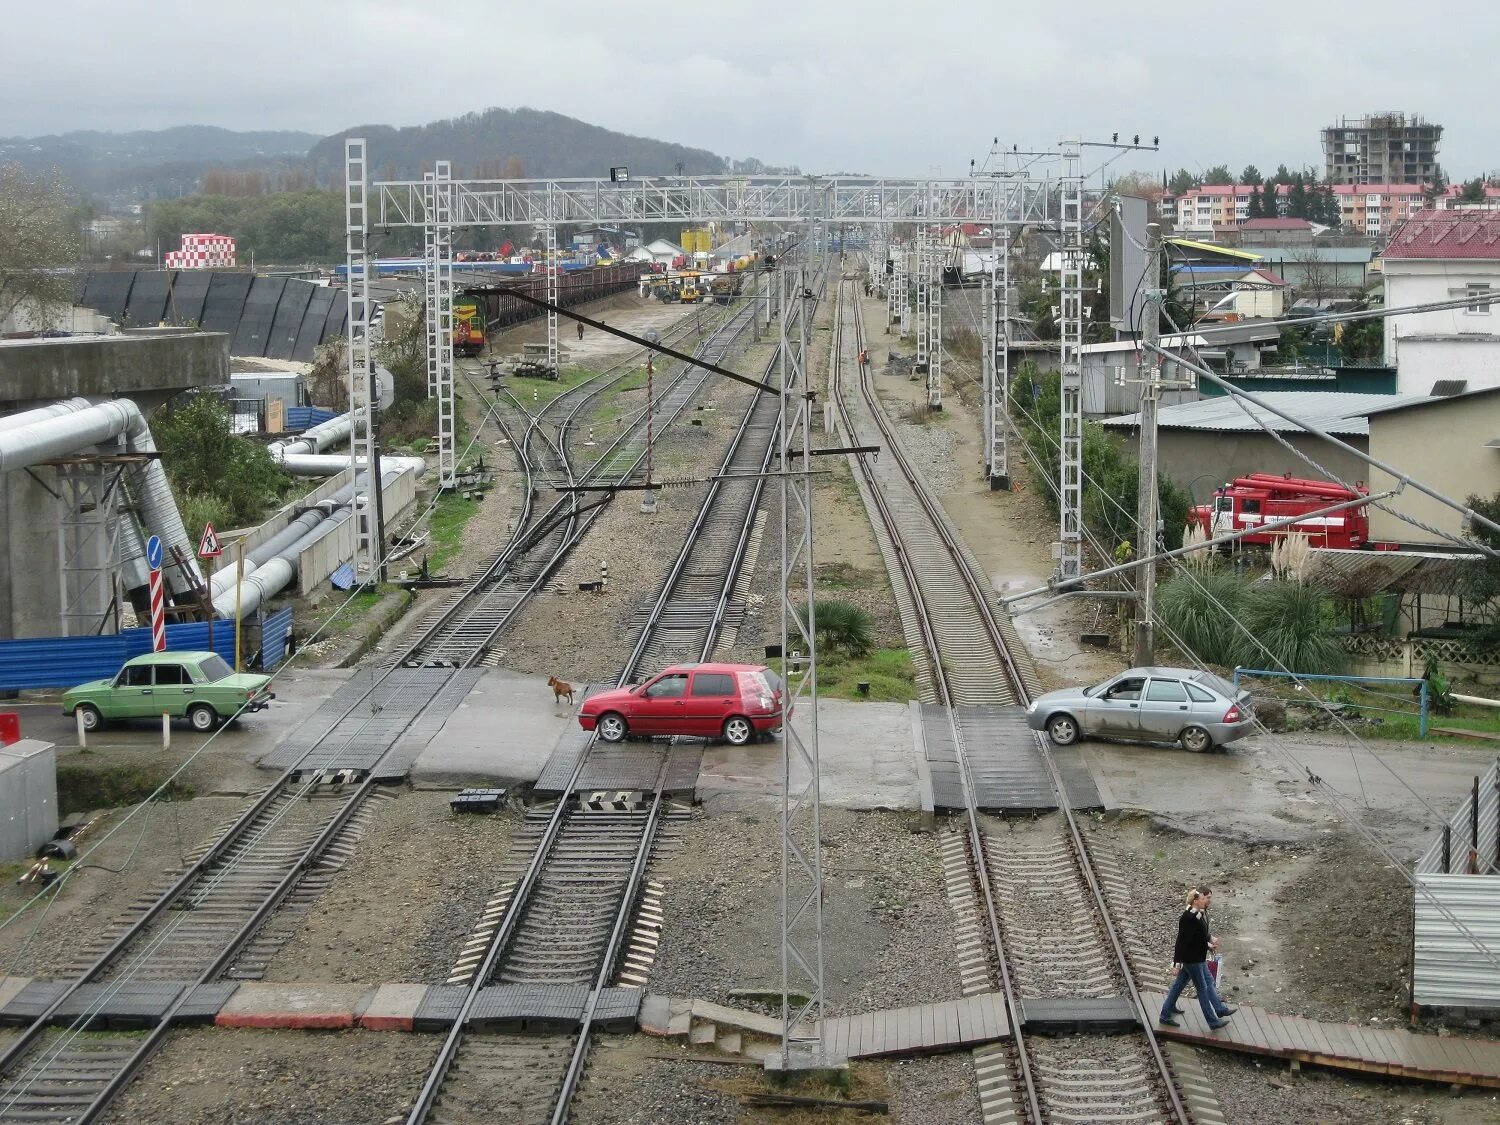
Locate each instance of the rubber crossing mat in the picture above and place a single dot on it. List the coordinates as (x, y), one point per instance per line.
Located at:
(405, 711)
(621, 767)
(1005, 762)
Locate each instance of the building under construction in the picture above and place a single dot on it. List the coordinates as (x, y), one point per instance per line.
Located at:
(1381, 148)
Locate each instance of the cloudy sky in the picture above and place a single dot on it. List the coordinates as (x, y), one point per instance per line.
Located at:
(895, 87)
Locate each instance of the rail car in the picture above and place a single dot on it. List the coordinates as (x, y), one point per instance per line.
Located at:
(574, 287)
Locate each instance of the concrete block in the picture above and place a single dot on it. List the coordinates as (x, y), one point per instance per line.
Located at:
(656, 1014)
(10, 988)
(393, 1007)
(702, 1034)
(295, 1006)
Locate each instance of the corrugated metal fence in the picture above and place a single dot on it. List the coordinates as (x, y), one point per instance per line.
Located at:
(1456, 907)
(275, 630)
(1475, 828)
(64, 662)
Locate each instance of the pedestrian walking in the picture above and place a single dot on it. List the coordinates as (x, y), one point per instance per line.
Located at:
(1189, 958)
(580, 330)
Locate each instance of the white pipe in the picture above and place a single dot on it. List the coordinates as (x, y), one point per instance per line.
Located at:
(67, 427)
(330, 464)
(1474, 700)
(42, 413)
(315, 439)
(256, 588)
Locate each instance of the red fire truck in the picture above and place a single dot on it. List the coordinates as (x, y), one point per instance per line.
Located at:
(1264, 497)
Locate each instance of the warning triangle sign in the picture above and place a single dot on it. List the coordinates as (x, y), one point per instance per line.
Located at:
(208, 546)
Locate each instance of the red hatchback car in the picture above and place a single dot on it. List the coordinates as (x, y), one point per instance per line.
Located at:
(730, 701)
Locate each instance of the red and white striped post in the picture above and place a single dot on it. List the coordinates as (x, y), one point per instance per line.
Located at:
(158, 601)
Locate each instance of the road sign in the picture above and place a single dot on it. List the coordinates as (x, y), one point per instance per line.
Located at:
(209, 546)
(158, 596)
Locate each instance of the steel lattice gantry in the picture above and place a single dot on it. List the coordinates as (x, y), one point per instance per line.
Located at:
(438, 242)
(362, 396)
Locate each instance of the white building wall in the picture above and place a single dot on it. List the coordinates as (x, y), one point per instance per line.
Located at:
(1418, 282)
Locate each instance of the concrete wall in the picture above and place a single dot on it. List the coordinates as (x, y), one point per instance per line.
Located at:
(1442, 445)
(30, 562)
(148, 368)
(337, 547)
(1201, 460)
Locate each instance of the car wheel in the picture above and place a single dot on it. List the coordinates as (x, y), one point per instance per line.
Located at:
(738, 731)
(1196, 740)
(1062, 730)
(202, 717)
(93, 719)
(612, 727)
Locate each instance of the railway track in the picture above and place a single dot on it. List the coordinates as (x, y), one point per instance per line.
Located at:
(515, 573)
(567, 917)
(209, 923)
(1016, 894)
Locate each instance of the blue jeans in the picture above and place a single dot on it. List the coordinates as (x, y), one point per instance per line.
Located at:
(1208, 996)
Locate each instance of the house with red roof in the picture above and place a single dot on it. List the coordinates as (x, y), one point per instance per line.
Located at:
(1444, 256)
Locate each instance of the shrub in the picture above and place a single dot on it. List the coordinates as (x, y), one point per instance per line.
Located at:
(1201, 615)
(1291, 621)
(843, 626)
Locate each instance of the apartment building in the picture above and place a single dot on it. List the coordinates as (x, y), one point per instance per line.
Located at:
(1381, 148)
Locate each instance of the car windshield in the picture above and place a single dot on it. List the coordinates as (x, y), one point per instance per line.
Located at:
(1097, 688)
(215, 667)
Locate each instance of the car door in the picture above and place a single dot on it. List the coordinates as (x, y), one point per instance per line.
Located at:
(1164, 709)
(661, 707)
(1115, 711)
(171, 684)
(133, 696)
(711, 697)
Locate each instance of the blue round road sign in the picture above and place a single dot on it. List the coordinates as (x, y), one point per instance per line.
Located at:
(153, 553)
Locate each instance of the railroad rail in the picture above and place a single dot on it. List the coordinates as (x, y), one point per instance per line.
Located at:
(295, 835)
(963, 651)
(564, 924)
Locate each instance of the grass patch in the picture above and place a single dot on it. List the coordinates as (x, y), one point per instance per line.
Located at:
(888, 671)
(1406, 726)
(536, 393)
(356, 609)
(446, 524)
(81, 788)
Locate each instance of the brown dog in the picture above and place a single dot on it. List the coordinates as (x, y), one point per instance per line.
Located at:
(560, 690)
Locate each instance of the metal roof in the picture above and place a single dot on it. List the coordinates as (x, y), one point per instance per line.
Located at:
(1209, 247)
(1337, 412)
(1363, 574)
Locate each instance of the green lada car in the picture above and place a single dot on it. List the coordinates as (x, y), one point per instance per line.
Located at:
(197, 685)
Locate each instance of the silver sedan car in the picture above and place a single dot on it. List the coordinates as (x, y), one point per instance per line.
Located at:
(1198, 709)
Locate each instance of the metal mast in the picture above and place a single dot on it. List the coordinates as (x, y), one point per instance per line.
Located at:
(362, 396)
(999, 400)
(801, 850)
(1149, 372)
(552, 294)
(438, 240)
(1070, 331)
(924, 341)
(935, 330)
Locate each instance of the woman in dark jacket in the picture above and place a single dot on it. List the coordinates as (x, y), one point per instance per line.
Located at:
(1188, 957)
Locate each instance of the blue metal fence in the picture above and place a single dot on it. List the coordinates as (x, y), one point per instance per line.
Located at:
(274, 631)
(299, 418)
(64, 662)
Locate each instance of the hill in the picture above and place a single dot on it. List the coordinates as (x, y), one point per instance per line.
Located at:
(480, 144)
(125, 167)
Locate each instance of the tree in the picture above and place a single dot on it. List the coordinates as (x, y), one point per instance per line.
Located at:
(1297, 198)
(514, 169)
(1250, 176)
(1182, 181)
(1473, 191)
(1218, 174)
(1317, 276)
(328, 380)
(1270, 200)
(1140, 184)
(1282, 175)
(1436, 189)
(1255, 211)
(36, 243)
(229, 476)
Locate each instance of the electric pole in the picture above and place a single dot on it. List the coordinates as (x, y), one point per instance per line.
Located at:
(1149, 372)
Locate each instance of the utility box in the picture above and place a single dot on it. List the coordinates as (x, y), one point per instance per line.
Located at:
(10, 728)
(28, 797)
